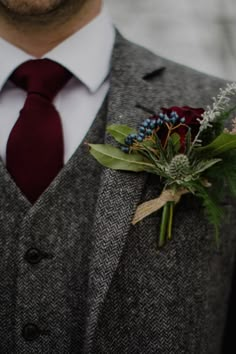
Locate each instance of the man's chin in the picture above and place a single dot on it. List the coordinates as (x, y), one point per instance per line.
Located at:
(31, 7)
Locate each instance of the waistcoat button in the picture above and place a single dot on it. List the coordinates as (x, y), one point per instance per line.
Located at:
(33, 256)
(30, 332)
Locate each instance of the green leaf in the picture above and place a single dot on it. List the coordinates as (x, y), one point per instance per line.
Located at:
(148, 144)
(224, 172)
(204, 165)
(173, 146)
(223, 143)
(160, 168)
(175, 139)
(112, 157)
(169, 150)
(161, 151)
(188, 141)
(213, 211)
(120, 132)
(231, 182)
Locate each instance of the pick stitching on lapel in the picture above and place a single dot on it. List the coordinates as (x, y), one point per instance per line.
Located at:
(120, 192)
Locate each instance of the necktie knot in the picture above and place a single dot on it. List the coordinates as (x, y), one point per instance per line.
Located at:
(41, 76)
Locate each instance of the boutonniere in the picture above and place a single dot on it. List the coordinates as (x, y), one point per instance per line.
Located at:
(188, 148)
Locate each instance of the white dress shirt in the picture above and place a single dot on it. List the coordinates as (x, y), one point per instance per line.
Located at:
(87, 54)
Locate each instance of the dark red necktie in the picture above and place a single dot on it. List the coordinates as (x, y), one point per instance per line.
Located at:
(35, 150)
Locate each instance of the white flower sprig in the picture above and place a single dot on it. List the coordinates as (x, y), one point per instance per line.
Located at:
(220, 104)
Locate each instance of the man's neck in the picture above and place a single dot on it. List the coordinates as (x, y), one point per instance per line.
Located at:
(38, 40)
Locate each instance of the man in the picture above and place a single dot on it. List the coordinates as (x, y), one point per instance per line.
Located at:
(76, 277)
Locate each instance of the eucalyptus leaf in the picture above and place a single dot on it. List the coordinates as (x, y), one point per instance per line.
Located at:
(120, 132)
(112, 157)
(223, 143)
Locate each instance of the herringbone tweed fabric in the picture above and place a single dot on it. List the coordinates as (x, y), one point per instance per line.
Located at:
(51, 294)
(174, 300)
(102, 287)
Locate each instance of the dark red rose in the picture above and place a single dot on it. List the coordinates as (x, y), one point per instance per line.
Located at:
(191, 116)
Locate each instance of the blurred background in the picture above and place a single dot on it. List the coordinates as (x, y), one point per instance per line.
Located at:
(198, 33)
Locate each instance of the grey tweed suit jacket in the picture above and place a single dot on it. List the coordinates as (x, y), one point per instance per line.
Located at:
(101, 286)
(173, 300)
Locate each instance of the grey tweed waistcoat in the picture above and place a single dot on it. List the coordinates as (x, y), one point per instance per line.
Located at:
(44, 252)
(98, 284)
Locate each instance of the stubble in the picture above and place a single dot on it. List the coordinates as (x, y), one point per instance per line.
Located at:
(39, 12)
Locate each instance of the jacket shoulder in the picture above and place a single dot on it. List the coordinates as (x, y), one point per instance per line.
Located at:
(177, 75)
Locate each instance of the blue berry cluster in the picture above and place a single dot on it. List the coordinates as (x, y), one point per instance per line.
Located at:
(147, 128)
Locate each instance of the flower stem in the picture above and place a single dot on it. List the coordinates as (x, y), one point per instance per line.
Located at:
(164, 222)
(170, 222)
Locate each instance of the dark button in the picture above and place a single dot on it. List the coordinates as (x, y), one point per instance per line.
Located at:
(33, 256)
(30, 332)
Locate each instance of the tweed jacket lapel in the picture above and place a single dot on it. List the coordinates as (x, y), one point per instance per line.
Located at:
(120, 192)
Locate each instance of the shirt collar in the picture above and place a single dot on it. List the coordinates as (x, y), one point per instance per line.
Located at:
(87, 53)
(11, 58)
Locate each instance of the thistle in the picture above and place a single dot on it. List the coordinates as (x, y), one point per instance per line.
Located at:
(179, 167)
